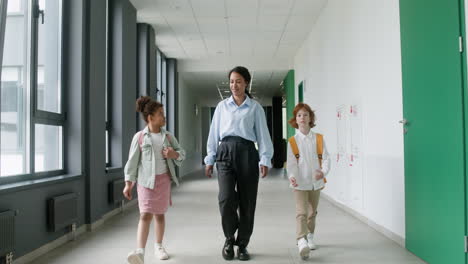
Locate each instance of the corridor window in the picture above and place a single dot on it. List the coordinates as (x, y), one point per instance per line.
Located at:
(14, 7)
(32, 119)
(49, 60)
(107, 89)
(15, 111)
(158, 75)
(164, 83)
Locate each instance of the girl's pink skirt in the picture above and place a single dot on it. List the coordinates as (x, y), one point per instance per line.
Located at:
(157, 200)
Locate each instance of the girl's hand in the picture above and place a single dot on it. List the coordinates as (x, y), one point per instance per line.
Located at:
(170, 153)
(293, 182)
(318, 174)
(127, 191)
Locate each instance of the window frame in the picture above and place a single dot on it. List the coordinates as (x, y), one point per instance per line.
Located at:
(37, 116)
(108, 90)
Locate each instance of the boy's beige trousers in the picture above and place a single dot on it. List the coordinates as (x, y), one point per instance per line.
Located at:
(306, 211)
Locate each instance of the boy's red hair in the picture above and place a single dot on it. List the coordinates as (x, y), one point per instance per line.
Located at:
(298, 107)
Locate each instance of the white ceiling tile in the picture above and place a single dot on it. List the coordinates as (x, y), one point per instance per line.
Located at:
(308, 7)
(296, 23)
(264, 51)
(293, 38)
(193, 45)
(271, 37)
(212, 25)
(271, 23)
(208, 7)
(242, 7)
(242, 23)
(275, 7)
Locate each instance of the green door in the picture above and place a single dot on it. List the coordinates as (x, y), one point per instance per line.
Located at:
(301, 92)
(434, 143)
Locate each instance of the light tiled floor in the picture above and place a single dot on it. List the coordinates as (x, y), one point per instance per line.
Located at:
(194, 234)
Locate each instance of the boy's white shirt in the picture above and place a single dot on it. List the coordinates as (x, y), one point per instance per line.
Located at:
(304, 168)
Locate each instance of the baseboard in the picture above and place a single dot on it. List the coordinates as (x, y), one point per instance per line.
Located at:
(384, 231)
(31, 256)
(49, 247)
(110, 214)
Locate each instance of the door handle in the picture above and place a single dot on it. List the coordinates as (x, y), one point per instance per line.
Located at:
(404, 122)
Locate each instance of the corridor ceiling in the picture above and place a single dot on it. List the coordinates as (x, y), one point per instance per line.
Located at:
(209, 37)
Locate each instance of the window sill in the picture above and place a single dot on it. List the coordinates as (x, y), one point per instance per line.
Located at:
(30, 184)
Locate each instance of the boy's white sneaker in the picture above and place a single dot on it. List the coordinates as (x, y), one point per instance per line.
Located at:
(310, 241)
(161, 253)
(136, 257)
(303, 248)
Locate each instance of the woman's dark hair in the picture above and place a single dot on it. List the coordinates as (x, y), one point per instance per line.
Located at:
(147, 106)
(306, 107)
(244, 72)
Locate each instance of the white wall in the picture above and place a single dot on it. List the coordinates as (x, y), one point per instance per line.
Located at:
(189, 128)
(352, 57)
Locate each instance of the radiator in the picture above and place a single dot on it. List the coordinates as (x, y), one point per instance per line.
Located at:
(7, 232)
(115, 191)
(62, 211)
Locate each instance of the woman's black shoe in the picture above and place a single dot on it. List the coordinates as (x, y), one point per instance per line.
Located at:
(242, 253)
(228, 249)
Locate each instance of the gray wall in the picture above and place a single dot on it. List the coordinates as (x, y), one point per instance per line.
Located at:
(189, 128)
(205, 127)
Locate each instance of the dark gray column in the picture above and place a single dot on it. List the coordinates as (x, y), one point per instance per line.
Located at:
(277, 129)
(124, 80)
(146, 64)
(95, 109)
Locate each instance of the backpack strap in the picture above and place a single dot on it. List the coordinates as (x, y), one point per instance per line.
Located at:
(295, 150)
(140, 139)
(319, 141)
(168, 137)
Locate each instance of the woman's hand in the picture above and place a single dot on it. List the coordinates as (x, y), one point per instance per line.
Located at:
(170, 153)
(208, 170)
(263, 171)
(318, 174)
(127, 191)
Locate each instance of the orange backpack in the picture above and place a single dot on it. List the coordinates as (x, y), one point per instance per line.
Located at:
(319, 140)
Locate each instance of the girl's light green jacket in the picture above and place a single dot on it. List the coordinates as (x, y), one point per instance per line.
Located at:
(141, 166)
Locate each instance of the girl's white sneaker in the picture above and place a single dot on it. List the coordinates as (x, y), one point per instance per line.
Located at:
(161, 253)
(136, 257)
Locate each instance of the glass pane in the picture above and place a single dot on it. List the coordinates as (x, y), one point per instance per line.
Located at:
(49, 144)
(158, 75)
(164, 85)
(15, 110)
(14, 6)
(106, 87)
(49, 56)
(107, 147)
